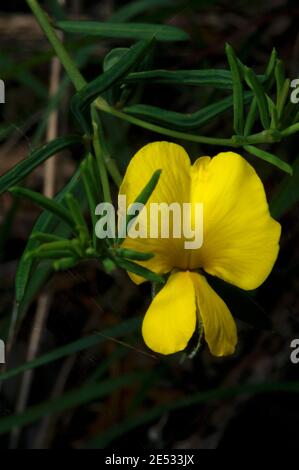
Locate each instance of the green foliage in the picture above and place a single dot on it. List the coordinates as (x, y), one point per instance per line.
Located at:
(63, 236)
(124, 30)
(36, 158)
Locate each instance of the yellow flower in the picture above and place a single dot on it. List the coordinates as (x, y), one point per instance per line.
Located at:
(240, 243)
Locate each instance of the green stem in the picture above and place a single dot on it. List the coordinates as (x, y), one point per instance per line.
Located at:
(290, 130)
(263, 137)
(102, 105)
(66, 60)
(70, 67)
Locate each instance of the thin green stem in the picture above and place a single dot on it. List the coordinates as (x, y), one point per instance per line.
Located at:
(102, 105)
(290, 130)
(71, 69)
(263, 137)
(66, 60)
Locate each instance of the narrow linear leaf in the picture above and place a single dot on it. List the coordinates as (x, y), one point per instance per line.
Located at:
(63, 245)
(273, 114)
(36, 158)
(45, 237)
(260, 96)
(238, 95)
(133, 255)
(279, 77)
(270, 158)
(49, 254)
(64, 264)
(283, 96)
(28, 275)
(76, 213)
(139, 31)
(142, 198)
(135, 268)
(92, 90)
(214, 78)
(113, 57)
(180, 121)
(251, 117)
(46, 204)
(269, 76)
(270, 70)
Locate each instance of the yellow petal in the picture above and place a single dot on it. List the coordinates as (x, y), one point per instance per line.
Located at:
(219, 326)
(171, 318)
(240, 238)
(173, 186)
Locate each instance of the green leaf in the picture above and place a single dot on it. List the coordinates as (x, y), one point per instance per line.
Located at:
(94, 89)
(124, 30)
(142, 198)
(180, 121)
(45, 237)
(287, 194)
(252, 113)
(64, 264)
(131, 254)
(33, 278)
(271, 64)
(280, 77)
(216, 78)
(212, 77)
(113, 57)
(135, 268)
(273, 113)
(36, 158)
(46, 204)
(77, 214)
(260, 96)
(283, 96)
(64, 247)
(238, 94)
(49, 254)
(270, 158)
(251, 117)
(120, 330)
(135, 8)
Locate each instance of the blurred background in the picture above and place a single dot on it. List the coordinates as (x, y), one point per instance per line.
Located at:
(117, 393)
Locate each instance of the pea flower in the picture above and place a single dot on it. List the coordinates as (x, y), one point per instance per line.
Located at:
(240, 243)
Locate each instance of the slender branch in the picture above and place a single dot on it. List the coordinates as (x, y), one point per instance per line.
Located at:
(263, 137)
(291, 130)
(66, 60)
